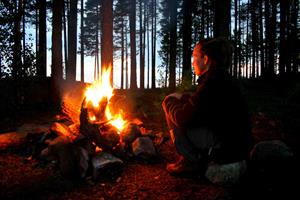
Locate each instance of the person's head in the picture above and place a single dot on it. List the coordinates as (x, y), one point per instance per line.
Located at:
(212, 54)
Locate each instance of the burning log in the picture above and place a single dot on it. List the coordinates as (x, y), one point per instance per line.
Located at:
(62, 130)
(102, 134)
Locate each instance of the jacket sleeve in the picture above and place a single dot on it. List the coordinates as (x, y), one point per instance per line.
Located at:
(180, 111)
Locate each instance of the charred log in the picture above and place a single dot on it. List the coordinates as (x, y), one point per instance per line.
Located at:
(101, 133)
(130, 133)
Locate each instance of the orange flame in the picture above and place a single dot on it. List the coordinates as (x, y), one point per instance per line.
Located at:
(102, 91)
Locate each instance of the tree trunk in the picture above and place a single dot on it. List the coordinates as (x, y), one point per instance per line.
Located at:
(202, 33)
(247, 44)
(72, 42)
(122, 54)
(126, 56)
(240, 66)
(254, 36)
(148, 51)
(187, 33)
(17, 59)
(24, 38)
(282, 46)
(235, 58)
(267, 32)
(261, 38)
(42, 50)
(132, 25)
(81, 41)
(272, 39)
(173, 45)
(97, 69)
(107, 36)
(153, 79)
(294, 37)
(65, 37)
(222, 18)
(56, 50)
(142, 66)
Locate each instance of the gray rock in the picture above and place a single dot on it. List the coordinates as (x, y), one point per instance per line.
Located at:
(226, 174)
(65, 152)
(83, 159)
(270, 150)
(143, 147)
(72, 159)
(105, 164)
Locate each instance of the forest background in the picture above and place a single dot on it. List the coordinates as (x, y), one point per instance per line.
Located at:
(50, 48)
(147, 43)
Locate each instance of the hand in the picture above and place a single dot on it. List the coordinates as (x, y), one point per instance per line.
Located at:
(168, 98)
(176, 95)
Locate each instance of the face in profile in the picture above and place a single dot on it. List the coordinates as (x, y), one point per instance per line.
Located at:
(200, 61)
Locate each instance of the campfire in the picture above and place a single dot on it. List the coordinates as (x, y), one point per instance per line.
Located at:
(96, 133)
(97, 102)
(102, 137)
(99, 121)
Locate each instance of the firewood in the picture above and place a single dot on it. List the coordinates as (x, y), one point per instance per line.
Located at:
(11, 139)
(102, 134)
(110, 137)
(62, 130)
(22, 135)
(130, 133)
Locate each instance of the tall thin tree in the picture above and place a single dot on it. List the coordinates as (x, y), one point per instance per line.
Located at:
(82, 41)
(72, 42)
(107, 36)
(187, 34)
(142, 59)
(173, 43)
(56, 72)
(17, 59)
(222, 18)
(283, 34)
(132, 25)
(153, 39)
(42, 51)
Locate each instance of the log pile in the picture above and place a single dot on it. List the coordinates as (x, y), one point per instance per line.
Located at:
(83, 148)
(97, 150)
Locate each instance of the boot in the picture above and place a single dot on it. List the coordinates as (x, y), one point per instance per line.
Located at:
(183, 167)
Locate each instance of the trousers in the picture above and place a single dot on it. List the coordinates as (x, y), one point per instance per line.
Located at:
(194, 144)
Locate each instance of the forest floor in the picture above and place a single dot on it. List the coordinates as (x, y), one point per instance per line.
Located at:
(275, 111)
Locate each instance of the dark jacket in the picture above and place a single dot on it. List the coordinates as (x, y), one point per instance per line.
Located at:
(218, 105)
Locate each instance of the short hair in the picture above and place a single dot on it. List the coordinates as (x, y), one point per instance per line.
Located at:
(218, 50)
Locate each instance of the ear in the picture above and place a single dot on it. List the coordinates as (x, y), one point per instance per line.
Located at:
(205, 59)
